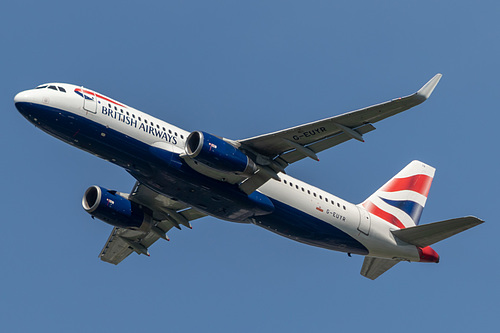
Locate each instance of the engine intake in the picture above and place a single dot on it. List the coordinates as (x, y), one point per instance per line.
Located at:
(216, 153)
(110, 207)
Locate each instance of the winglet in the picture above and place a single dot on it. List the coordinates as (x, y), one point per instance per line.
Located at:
(428, 88)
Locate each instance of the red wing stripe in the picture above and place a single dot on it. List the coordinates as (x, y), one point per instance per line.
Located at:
(369, 206)
(418, 183)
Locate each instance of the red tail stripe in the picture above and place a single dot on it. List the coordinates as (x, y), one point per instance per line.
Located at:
(369, 206)
(418, 183)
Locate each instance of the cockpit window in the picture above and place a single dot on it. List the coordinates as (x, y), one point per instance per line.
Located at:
(43, 86)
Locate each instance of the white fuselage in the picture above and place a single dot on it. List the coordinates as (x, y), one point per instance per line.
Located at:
(295, 200)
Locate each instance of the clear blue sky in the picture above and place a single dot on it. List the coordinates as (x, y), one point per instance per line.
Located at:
(238, 69)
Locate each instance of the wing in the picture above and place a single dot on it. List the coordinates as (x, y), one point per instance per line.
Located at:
(279, 149)
(166, 214)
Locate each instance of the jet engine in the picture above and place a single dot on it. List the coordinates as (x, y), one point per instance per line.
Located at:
(114, 208)
(216, 157)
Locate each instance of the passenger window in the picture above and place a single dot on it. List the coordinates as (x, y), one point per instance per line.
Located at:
(314, 194)
(182, 136)
(284, 181)
(344, 207)
(170, 131)
(297, 187)
(302, 189)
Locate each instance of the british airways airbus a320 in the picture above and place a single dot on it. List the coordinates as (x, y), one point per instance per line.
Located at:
(182, 176)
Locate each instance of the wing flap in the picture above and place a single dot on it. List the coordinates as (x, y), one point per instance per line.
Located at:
(295, 155)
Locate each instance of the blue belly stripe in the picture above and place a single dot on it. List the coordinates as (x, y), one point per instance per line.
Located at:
(292, 223)
(178, 180)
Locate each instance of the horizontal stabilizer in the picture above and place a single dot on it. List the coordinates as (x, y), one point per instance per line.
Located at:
(374, 267)
(428, 234)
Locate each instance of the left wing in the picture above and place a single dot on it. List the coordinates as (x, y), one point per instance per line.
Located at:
(166, 214)
(277, 150)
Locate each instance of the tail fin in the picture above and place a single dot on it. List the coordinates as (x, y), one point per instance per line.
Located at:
(401, 200)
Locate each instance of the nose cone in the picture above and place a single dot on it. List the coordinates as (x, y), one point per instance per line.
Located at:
(25, 100)
(427, 254)
(24, 97)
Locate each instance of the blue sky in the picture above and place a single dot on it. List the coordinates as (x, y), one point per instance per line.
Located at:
(239, 69)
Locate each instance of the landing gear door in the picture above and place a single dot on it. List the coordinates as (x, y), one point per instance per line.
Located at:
(89, 100)
(364, 221)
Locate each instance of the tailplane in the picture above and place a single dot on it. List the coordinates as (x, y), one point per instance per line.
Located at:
(428, 234)
(401, 200)
(374, 267)
(422, 237)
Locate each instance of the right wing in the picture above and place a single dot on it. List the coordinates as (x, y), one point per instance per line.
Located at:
(166, 214)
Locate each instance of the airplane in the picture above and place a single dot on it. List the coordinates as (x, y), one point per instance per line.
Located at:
(182, 176)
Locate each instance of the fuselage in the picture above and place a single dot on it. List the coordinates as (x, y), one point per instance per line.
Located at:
(149, 149)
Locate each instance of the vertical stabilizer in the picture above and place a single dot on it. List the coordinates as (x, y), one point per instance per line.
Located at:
(401, 200)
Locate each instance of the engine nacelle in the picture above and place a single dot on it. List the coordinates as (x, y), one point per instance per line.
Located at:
(218, 154)
(110, 207)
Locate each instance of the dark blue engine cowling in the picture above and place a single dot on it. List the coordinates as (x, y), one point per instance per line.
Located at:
(218, 154)
(112, 208)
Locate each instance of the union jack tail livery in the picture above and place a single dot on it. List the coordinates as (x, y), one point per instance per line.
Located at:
(401, 200)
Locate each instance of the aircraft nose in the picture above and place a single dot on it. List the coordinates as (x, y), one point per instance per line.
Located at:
(23, 96)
